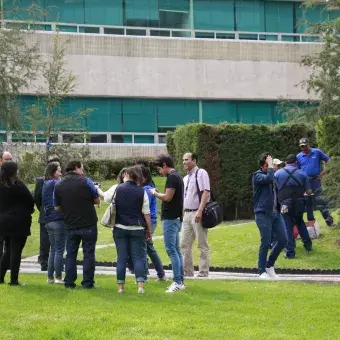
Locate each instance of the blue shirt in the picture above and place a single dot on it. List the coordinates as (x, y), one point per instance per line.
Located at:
(263, 191)
(311, 164)
(281, 177)
(152, 204)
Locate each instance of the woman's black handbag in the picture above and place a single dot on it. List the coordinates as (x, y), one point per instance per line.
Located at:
(212, 213)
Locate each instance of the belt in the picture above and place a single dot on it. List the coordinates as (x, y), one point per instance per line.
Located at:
(190, 210)
(312, 178)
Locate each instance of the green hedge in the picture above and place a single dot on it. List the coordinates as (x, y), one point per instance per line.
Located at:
(104, 169)
(328, 135)
(229, 152)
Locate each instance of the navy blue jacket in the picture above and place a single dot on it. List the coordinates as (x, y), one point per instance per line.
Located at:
(263, 194)
(129, 203)
(47, 201)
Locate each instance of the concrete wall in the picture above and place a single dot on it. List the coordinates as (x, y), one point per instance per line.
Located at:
(117, 66)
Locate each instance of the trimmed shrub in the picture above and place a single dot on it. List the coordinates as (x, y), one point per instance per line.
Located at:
(229, 152)
(328, 135)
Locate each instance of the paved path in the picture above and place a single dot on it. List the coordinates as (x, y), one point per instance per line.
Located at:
(34, 268)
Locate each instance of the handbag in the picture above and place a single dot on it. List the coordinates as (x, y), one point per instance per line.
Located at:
(109, 218)
(212, 214)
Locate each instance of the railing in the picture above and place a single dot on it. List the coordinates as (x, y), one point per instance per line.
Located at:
(86, 137)
(162, 32)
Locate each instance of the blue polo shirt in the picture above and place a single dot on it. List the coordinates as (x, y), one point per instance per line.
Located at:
(281, 175)
(311, 164)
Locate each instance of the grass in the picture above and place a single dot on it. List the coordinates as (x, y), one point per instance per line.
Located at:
(237, 246)
(207, 309)
(231, 246)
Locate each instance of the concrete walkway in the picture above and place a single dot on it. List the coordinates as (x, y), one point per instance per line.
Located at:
(34, 268)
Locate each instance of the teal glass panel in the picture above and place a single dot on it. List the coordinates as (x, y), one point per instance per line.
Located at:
(68, 11)
(176, 112)
(334, 14)
(279, 16)
(89, 29)
(307, 16)
(174, 5)
(251, 112)
(104, 12)
(127, 138)
(24, 10)
(139, 115)
(106, 115)
(144, 139)
(71, 29)
(214, 15)
(250, 16)
(215, 112)
(141, 10)
(168, 19)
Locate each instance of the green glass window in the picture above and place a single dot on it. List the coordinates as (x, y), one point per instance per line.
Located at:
(174, 5)
(309, 15)
(251, 112)
(143, 13)
(250, 16)
(68, 11)
(104, 12)
(279, 16)
(214, 15)
(215, 112)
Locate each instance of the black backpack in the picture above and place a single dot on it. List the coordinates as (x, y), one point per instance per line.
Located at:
(212, 213)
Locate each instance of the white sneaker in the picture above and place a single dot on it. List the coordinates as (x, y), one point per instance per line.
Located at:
(141, 291)
(264, 276)
(175, 287)
(163, 279)
(59, 281)
(50, 281)
(271, 272)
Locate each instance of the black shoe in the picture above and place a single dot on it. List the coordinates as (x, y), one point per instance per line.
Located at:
(44, 268)
(289, 257)
(16, 283)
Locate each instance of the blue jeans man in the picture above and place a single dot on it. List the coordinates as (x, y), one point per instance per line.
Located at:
(171, 229)
(88, 237)
(269, 223)
(294, 216)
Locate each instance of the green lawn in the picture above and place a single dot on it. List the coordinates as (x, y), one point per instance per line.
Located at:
(231, 246)
(237, 246)
(206, 310)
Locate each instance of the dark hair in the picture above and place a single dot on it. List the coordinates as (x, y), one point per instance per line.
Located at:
(263, 157)
(147, 178)
(73, 165)
(120, 176)
(134, 174)
(51, 169)
(53, 159)
(8, 174)
(164, 159)
(194, 156)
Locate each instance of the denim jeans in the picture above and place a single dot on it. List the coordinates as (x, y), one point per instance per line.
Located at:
(296, 219)
(171, 229)
(88, 237)
(154, 257)
(269, 223)
(130, 243)
(57, 235)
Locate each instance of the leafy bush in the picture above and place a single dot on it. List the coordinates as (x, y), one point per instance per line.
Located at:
(328, 135)
(229, 152)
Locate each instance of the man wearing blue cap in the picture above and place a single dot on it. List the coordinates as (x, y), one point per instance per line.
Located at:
(312, 162)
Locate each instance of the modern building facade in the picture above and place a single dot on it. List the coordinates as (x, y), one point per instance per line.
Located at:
(146, 66)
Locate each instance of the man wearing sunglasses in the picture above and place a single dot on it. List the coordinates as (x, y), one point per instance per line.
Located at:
(312, 161)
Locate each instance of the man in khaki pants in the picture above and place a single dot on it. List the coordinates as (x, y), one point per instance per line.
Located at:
(196, 196)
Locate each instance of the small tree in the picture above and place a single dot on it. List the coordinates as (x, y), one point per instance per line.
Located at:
(19, 65)
(47, 115)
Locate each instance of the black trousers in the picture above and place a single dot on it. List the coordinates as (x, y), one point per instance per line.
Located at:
(44, 249)
(11, 257)
(1, 247)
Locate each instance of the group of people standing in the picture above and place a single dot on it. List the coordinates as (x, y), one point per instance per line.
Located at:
(68, 218)
(283, 192)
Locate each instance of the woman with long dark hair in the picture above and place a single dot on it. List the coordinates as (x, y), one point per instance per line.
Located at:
(55, 224)
(16, 208)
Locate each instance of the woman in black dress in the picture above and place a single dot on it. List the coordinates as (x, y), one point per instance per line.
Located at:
(16, 208)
